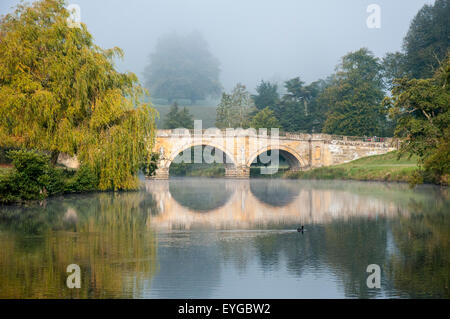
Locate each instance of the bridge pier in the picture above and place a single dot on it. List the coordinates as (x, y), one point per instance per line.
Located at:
(241, 172)
(160, 173)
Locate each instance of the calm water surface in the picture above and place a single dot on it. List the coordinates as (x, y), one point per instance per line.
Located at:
(217, 238)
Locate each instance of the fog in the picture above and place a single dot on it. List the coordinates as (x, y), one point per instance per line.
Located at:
(253, 39)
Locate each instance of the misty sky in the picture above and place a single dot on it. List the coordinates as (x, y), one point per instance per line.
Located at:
(253, 39)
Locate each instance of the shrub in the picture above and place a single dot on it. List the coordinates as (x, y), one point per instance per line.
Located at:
(7, 193)
(4, 159)
(30, 174)
(29, 178)
(85, 179)
(34, 178)
(55, 181)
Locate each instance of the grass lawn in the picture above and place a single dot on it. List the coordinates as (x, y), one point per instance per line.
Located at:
(384, 167)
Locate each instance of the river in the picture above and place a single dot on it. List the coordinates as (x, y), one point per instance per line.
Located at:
(218, 238)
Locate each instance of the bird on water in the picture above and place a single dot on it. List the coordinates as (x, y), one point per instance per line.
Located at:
(301, 229)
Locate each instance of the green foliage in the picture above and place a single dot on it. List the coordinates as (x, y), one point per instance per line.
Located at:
(149, 167)
(171, 120)
(7, 192)
(300, 108)
(177, 118)
(421, 107)
(29, 178)
(30, 174)
(205, 113)
(55, 181)
(197, 170)
(267, 95)
(186, 119)
(265, 119)
(426, 42)
(59, 92)
(183, 68)
(393, 65)
(34, 178)
(84, 180)
(355, 97)
(235, 109)
(292, 110)
(4, 159)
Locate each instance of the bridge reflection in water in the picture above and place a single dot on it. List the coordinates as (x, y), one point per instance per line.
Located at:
(259, 204)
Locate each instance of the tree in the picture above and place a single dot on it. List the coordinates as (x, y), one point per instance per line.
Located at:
(421, 107)
(291, 109)
(393, 67)
(355, 97)
(426, 42)
(59, 92)
(186, 119)
(235, 109)
(171, 120)
(265, 119)
(177, 118)
(318, 108)
(267, 95)
(299, 109)
(182, 67)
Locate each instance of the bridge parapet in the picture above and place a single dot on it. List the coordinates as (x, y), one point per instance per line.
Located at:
(213, 132)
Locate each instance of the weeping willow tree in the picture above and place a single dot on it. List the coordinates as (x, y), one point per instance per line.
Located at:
(59, 92)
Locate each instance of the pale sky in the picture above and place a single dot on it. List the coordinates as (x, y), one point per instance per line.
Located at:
(253, 39)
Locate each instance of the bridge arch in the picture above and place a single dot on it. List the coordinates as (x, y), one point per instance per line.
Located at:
(227, 160)
(295, 161)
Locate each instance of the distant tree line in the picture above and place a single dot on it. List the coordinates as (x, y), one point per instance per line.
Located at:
(356, 101)
(348, 102)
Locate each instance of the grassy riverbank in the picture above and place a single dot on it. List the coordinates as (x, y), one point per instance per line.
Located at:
(384, 167)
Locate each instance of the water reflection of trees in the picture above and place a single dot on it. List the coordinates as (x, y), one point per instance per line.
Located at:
(350, 247)
(107, 236)
(344, 248)
(416, 263)
(191, 268)
(104, 234)
(422, 268)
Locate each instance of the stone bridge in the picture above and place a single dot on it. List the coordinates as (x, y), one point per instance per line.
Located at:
(239, 148)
